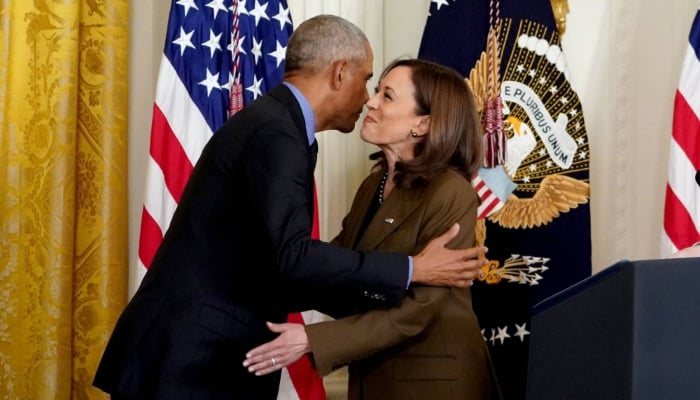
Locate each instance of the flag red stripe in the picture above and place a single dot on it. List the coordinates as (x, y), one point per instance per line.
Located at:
(168, 153)
(678, 223)
(685, 128)
(303, 375)
(150, 238)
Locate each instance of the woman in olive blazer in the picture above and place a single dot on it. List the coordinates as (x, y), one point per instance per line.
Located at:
(423, 118)
(431, 346)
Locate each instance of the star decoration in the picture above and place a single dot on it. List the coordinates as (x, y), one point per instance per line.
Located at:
(521, 332)
(502, 334)
(187, 4)
(278, 54)
(440, 3)
(214, 43)
(216, 6)
(283, 17)
(211, 82)
(255, 87)
(260, 11)
(257, 49)
(184, 40)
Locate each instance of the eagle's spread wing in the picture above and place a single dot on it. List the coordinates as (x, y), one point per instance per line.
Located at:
(557, 194)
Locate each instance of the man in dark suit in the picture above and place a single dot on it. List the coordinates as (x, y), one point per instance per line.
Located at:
(239, 252)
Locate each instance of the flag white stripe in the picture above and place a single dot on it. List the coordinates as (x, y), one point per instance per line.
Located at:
(667, 246)
(159, 202)
(185, 119)
(286, 388)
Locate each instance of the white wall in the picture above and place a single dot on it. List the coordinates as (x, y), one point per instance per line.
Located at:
(624, 57)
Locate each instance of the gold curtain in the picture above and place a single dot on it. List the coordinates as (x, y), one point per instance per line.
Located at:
(63, 192)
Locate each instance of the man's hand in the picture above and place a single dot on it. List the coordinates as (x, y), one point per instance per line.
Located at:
(289, 346)
(439, 266)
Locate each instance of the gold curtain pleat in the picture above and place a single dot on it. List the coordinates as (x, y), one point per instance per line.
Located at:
(63, 192)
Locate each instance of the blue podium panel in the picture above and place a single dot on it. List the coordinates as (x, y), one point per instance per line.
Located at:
(630, 332)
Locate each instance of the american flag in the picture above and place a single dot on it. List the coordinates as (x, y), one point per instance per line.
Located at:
(219, 55)
(682, 205)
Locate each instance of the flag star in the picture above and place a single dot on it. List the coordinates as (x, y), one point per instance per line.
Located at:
(542, 152)
(531, 74)
(440, 3)
(573, 112)
(564, 100)
(242, 10)
(502, 334)
(257, 49)
(580, 141)
(278, 53)
(526, 179)
(520, 68)
(542, 81)
(283, 16)
(242, 7)
(232, 44)
(216, 6)
(554, 89)
(227, 86)
(184, 40)
(520, 331)
(533, 167)
(578, 125)
(213, 43)
(260, 11)
(239, 45)
(187, 4)
(211, 82)
(549, 163)
(255, 87)
(582, 155)
(483, 335)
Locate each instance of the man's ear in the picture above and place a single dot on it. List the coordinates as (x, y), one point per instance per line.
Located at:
(338, 73)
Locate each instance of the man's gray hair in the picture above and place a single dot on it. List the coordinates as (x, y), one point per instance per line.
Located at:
(322, 39)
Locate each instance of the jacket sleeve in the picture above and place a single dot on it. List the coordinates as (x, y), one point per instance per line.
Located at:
(281, 173)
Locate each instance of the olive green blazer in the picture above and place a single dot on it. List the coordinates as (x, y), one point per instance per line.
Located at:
(431, 346)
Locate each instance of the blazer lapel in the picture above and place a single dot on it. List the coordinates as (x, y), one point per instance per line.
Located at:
(391, 215)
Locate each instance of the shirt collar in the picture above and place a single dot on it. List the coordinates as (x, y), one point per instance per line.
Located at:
(306, 110)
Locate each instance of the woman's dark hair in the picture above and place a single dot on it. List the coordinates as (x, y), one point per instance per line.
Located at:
(455, 136)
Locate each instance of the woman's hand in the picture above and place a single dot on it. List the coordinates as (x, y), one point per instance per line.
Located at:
(289, 346)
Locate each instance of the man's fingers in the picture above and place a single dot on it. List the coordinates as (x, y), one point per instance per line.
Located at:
(474, 253)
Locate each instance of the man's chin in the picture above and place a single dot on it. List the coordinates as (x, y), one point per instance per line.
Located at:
(347, 129)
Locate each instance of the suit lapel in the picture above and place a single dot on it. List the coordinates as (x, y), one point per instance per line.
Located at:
(283, 94)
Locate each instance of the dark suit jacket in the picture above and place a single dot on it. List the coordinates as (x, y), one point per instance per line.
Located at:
(431, 346)
(237, 253)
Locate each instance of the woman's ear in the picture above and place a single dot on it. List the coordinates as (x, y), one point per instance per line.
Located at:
(423, 126)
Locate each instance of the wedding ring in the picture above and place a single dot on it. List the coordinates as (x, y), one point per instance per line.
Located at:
(273, 361)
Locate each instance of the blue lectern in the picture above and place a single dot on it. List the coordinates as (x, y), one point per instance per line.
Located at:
(629, 332)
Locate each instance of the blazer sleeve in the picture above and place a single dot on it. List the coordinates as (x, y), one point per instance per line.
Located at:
(372, 331)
